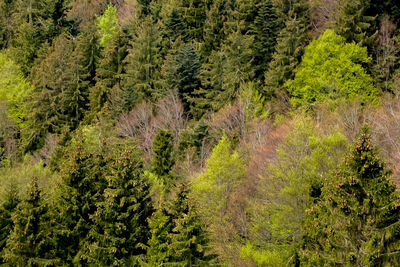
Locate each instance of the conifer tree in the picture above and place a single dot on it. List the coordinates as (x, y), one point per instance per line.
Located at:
(186, 75)
(7, 9)
(109, 73)
(28, 244)
(290, 45)
(354, 24)
(189, 242)
(121, 226)
(175, 27)
(194, 16)
(178, 238)
(6, 223)
(76, 196)
(143, 66)
(162, 153)
(265, 29)
(356, 220)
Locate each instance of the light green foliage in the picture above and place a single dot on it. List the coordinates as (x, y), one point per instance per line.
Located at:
(223, 173)
(331, 70)
(252, 102)
(14, 89)
(289, 187)
(108, 25)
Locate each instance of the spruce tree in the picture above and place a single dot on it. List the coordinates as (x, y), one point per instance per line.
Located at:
(356, 220)
(28, 244)
(265, 29)
(162, 153)
(143, 66)
(194, 16)
(354, 24)
(6, 223)
(174, 27)
(288, 53)
(77, 193)
(186, 75)
(178, 238)
(108, 74)
(121, 226)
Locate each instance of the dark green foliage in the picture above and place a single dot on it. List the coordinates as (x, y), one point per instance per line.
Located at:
(354, 24)
(163, 160)
(178, 238)
(60, 98)
(120, 223)
(265, 30)
(108, 74)
(194, 17)
(356, 222)
(36, 22)
(288, 53)
(77, 194)
(186, 76)
(6, 223)
(28, 244)
(143, 65)
(6, 12)
(175, 27)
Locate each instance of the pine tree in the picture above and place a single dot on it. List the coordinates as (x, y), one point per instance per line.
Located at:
(175, 27)
(28, 244)
(186, 76)
(162, 153)
(143, 66)
(121, 227)
(356, 220)
(194, 17)
(6, 223)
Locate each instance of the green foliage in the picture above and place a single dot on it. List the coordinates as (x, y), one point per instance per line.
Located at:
(108, 25)
(178, 238)
(8, 206)
(76, 195)
(289, 187)
(143, 66)
(331, 70)
(289, 49)
(29, 244)
(120, 227)
(353, 23)
(356, 222)
(14, 89)
(109, 74)
(223, 173)
(163, 160)
(186, 76)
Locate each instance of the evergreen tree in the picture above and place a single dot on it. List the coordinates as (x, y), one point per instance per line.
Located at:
(162, 153)
(143, 66)
(354, 24)
(186, 75)
(174, 27)
(28, 244)
(36, 22)
(356, 220)
(121, 227)
(178, 238)
(6, 223)
(76, 196)
(288, 53)
(194, 17)
(265, 30)
(7, 9)
(109, 73)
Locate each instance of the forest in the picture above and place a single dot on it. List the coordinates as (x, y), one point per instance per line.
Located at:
(199, 133)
